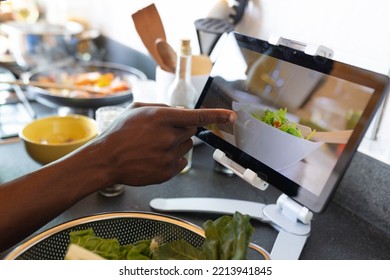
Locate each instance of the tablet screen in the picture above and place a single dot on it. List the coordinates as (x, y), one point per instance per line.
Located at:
(300, 117)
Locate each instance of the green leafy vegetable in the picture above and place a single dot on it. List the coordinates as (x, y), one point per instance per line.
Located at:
(278, 120)
(178, 250)
(226, 238)
(110, 248)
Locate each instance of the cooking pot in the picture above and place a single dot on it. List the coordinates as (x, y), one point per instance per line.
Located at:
(42, 43)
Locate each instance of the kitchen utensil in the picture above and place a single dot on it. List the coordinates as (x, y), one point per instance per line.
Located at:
(6, 79)
(127, 227)
(48, 85)
(214, 26)
(26, 103)
(149, 26)
(335, 137)
(167, 54)
(238, 8)
(200, 65)
(41, 43)
(124, 72)
(219, 26)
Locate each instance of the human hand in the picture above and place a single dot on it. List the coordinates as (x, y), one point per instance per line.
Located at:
(146, 145)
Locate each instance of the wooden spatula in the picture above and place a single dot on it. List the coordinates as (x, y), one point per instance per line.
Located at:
(201, 64)
(167, 55)
(149, 26)
(336, 137)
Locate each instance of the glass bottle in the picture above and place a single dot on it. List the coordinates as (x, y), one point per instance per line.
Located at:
(181, 92)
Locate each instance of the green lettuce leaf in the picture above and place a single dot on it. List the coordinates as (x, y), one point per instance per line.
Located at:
(107, 248)
(228, 238)
(178, 250)
(279, 120)
(110, 248)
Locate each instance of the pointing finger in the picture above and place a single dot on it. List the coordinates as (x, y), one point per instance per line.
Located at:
(200, 117)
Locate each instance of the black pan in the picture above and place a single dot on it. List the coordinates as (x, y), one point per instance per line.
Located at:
(43, 96)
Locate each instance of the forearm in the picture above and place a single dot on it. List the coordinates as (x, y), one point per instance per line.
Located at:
(29, 202)
(126, 153)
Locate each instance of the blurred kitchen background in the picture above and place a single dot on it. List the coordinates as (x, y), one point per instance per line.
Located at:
(356, 30)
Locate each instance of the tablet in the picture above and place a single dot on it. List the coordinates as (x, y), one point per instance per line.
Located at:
(300, 116)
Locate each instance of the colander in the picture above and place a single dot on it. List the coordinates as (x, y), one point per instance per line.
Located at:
(127, 227)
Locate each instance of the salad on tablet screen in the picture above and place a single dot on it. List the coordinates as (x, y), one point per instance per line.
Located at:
(279, 120)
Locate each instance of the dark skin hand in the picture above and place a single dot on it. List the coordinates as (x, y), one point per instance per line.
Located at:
(144, 146)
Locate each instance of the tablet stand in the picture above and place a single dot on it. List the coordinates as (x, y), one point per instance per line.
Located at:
(291, 219)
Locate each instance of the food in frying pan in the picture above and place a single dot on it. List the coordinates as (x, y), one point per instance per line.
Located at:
(226, 238)
(106, 83)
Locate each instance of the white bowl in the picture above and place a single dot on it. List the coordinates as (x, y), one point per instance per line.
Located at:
(271, 146)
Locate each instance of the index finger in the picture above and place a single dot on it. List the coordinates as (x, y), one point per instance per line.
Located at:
(201, 117)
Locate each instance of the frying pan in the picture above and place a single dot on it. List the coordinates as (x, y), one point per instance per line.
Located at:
(43, 96)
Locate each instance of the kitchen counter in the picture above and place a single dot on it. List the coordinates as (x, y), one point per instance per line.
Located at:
(356, 224)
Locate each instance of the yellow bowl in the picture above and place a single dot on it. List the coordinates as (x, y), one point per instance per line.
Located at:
(50, 138)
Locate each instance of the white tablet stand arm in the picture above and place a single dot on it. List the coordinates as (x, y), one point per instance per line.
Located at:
(310, 49)
(246, 174)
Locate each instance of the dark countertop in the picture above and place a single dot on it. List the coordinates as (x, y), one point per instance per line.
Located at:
(355, 225)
